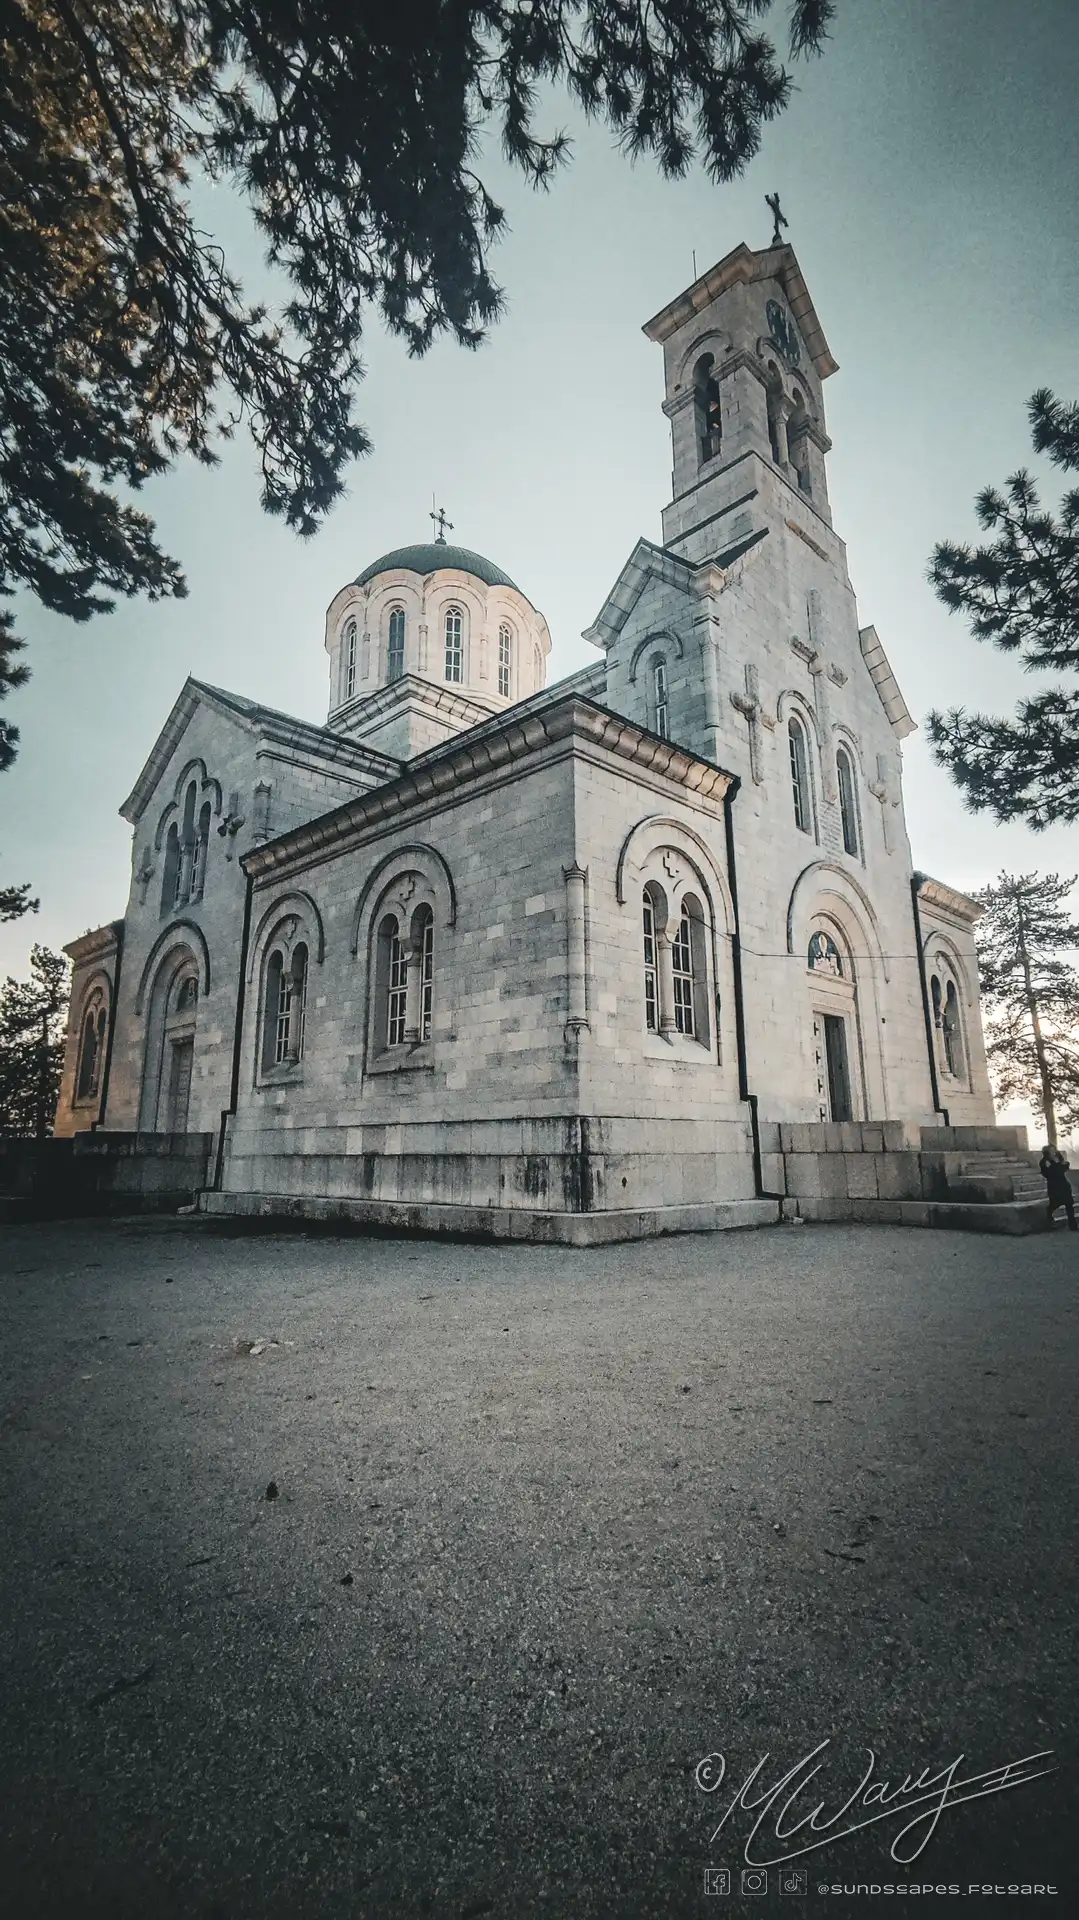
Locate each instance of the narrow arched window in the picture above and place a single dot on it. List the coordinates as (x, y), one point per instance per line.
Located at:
(454, 630)
(660, 709)
(423, 944)
(707, 408)
(937, 997)
(187, 994)
(274, 1028)
(682, 962)
(283, 1011)
(202, 848)
(651, 976)
(952, 1029)
(848, 808)
(803, 811)
(298, 1002)
(349, 657)
(396, 986)
(774, 401)
(505, 662)
(170, 882)
(87, 1081)
(797, 442)
(395, 645)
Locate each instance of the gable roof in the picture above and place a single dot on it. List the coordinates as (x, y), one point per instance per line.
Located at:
(886, 684)
(299, 736)
(649, 562)
(743, 264)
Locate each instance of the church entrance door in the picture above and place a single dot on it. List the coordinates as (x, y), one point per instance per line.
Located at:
(182, 1056)
(835, 1047)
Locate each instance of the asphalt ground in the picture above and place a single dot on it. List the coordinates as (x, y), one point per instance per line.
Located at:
(358, 1577)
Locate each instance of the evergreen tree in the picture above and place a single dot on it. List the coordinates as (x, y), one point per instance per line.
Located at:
(351, 130)
(1030, 995)
(32, 1045)
(15, 901)
(1021, 592)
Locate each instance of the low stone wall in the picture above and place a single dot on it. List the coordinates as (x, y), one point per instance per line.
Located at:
(93, 1173)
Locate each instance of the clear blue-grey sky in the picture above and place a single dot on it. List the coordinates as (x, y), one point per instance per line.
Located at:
(928, 166)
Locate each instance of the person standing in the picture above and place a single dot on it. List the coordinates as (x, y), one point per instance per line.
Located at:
(1054, 1170)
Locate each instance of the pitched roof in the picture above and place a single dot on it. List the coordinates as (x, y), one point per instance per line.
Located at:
(302, 736)
(742, 264)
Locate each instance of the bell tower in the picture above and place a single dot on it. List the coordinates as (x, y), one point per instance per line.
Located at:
(745, 360)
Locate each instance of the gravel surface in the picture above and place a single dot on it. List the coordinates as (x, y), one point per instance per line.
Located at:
(359, 1577)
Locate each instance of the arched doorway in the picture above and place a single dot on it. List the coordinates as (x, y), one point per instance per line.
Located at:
(170, 1045)
(834, 1005)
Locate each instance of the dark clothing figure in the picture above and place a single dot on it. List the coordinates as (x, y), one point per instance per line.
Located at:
(1054, 1170)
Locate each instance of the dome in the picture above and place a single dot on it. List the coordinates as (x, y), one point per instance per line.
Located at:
(431, 556)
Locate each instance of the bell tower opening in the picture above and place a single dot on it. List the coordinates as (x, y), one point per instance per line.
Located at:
(745, 360)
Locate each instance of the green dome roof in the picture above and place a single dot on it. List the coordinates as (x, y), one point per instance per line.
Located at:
(431, 555)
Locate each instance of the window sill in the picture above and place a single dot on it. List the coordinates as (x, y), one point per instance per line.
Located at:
(678, 1046)
(285, 1075)
(417, 1058)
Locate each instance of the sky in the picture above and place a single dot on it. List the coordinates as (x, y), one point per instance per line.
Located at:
(928, 168)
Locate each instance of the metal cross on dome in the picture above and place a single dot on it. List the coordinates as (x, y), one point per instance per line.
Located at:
(439, 517)
(771, 200)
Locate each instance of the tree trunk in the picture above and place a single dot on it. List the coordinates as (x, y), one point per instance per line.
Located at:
(1048, 1106)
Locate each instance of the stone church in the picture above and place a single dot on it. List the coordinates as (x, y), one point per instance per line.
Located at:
(572, 961)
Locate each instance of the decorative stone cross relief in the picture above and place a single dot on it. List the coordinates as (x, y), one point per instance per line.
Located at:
(231, 824)
(749, 706)
(881, 790)
(819, 668)
(145, 874)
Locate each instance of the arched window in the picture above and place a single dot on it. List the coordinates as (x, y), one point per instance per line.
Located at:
(396, 986)
(395, 645)
(796, 441)
(348, 652)
(952, 1031)
(938, 1000)
(285, 1008)
(455, 644)
(803, 806)
(505, 661)
(824, 956)
(848, 806)
(660, 710)
(202, 848)
(776, 424)
(423, 941)
(675, 967)
(682, 960)
(651, 972)
(91, 1050)
(707, 408)
(170, 881)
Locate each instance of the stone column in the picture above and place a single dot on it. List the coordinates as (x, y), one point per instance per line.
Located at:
(187, 870)
(576, 976)
(295, 1013)
(665, 974)
(413, 959)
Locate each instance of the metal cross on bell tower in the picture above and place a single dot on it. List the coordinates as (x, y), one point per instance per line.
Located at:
(438, 515)
(771, 200)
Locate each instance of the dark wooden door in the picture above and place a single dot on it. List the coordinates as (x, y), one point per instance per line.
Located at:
(835, 1045)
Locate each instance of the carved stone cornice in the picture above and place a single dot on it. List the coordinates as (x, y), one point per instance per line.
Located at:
(572, 721)
(100, 943)
(948, 900)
